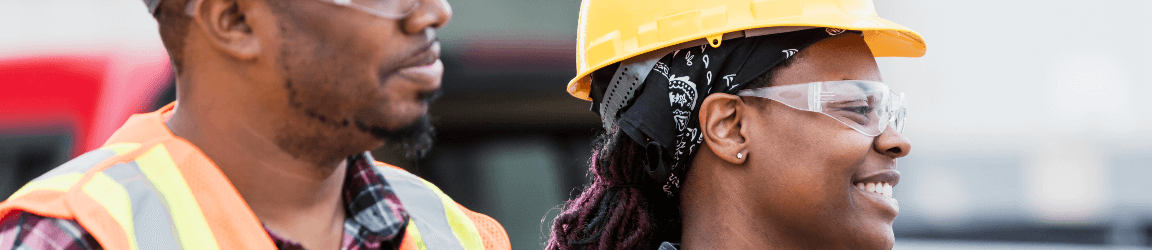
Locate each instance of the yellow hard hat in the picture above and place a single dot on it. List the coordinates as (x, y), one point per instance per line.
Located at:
(611, 31)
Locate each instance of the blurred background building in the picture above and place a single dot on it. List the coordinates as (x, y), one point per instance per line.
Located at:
(1026, 116)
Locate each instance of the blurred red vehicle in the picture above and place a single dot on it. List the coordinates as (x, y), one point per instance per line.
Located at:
(69, 79)
(81, 95)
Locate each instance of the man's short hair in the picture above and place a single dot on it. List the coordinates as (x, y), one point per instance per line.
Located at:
(173, 28)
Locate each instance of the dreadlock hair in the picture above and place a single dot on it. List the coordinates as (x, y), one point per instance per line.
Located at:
(622, 208)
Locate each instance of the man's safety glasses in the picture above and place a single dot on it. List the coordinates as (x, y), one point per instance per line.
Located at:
(391, 9)
(866, 106)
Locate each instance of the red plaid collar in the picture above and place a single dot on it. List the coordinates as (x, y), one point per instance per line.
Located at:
(376, 218)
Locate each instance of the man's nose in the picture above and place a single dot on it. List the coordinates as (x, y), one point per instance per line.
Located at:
(430, 14)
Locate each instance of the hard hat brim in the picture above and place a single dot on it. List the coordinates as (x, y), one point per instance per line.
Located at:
(885, 39)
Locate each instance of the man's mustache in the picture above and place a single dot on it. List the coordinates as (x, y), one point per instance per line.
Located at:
(429, 97)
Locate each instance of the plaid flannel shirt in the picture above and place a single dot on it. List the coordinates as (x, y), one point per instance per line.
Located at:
(376, 219)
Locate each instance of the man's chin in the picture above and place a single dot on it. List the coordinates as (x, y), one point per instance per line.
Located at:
(416, 138)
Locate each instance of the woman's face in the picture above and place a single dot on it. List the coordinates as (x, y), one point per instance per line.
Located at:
(805, 166)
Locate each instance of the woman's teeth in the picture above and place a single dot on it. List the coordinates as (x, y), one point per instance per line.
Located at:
(884, 189)
(877, 187)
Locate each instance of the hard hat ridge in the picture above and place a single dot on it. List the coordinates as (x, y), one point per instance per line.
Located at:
(611, 31)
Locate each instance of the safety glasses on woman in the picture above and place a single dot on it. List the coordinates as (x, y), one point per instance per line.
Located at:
(866, 106)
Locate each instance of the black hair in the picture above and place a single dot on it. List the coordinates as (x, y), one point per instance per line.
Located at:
(622, 208)
(173, 28)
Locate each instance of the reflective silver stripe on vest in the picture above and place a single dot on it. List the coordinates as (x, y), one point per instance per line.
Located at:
(151, 220)
(424, 207)
(80, 164)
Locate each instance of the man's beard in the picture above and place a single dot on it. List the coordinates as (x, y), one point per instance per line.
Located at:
(416, 137)
(305, 82)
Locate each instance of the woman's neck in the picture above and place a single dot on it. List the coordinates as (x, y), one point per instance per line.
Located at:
(717, 216)
(718, 221)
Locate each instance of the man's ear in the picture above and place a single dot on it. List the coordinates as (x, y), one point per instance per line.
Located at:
(225, 26)
(721, 125)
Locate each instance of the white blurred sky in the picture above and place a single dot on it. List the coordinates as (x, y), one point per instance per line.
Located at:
(1004, 74)
(1025, 111)
(29, 27)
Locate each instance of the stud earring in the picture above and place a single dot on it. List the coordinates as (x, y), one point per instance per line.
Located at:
(739, 155)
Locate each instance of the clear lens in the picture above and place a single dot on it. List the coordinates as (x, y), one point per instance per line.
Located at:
(866, 106)
(392, 9)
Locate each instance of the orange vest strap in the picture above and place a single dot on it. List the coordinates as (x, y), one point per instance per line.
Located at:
(495, 238)
(97, 221)
(409, 243)
(234, 225)
(40, 202)
(144, 128)
(229, 220)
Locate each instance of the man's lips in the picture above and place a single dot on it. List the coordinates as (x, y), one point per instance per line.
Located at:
(430, 73)
(426, 55)
(425, 67)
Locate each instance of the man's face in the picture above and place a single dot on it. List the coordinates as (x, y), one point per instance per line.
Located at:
(352, 75)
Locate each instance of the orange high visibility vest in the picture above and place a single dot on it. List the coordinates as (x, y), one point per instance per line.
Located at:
(148, 189)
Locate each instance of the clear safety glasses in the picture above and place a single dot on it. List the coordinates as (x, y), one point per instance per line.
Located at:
(391, 9)
(866, 106)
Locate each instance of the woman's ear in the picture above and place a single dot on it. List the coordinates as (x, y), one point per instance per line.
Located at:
(721, 125)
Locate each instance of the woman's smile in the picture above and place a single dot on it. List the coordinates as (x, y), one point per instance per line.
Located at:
(878, 189)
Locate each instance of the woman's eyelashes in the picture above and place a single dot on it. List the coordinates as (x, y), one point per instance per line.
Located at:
(859, 112)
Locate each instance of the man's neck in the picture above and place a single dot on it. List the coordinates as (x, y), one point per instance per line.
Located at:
(295, 198)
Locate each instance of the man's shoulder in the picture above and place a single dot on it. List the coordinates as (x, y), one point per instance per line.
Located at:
(393, 173)
(140, 129)
(402, 181)
(491, 232)
(29, 216)
(388, 167)
(64, 176)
